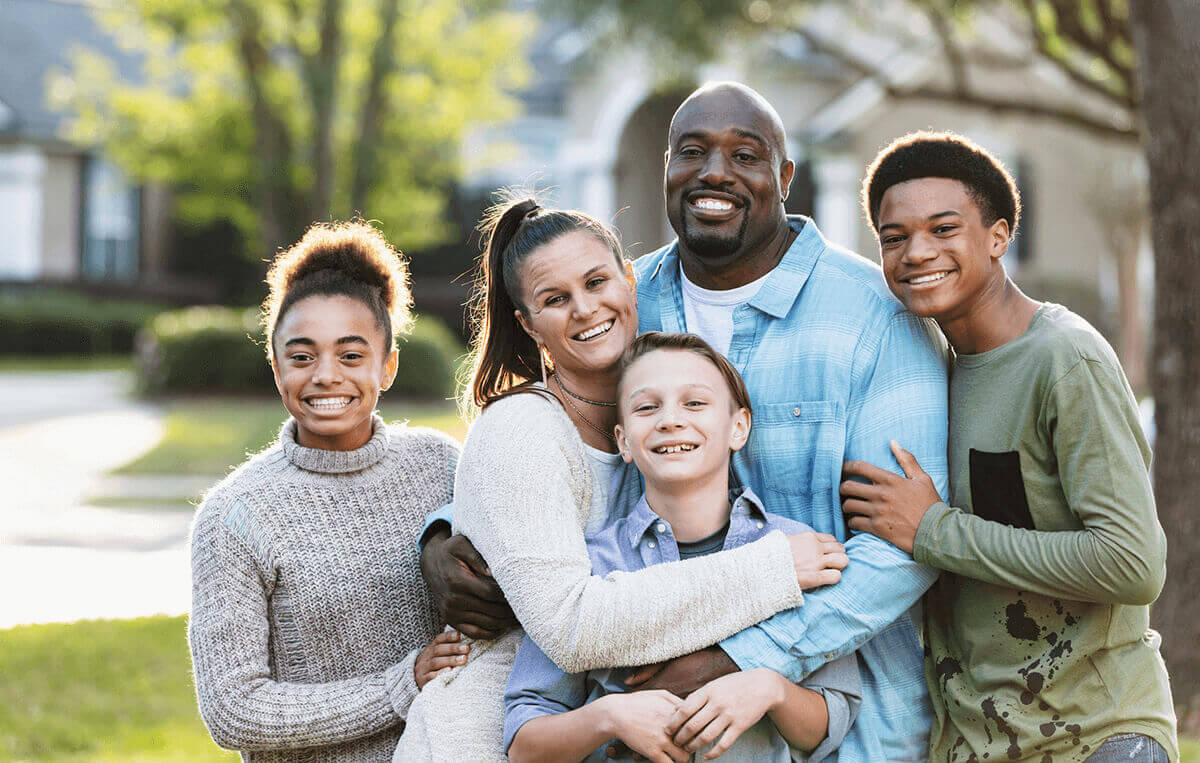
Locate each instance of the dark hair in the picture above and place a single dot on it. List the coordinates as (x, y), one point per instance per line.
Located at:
(944, 155)
(503, 357)
(346, 259)
(661, 340)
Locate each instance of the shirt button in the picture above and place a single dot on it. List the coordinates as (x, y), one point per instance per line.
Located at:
(660, 527)
(829, 656)
(795, 411)
(652, 544)
(759, 525)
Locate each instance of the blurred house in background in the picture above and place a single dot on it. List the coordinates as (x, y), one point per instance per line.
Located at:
(69, 217)
(595, 129)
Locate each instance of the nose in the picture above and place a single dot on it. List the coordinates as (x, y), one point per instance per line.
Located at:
(326, 371)
(715, 170)
(668, 419)
(920, 249)
(584, 304)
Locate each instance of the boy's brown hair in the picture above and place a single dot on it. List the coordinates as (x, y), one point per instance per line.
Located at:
(661, 340)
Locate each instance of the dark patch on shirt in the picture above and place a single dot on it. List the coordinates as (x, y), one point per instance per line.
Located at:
(997, 490)
(1019, 623)
(946, 668)
(989, 711)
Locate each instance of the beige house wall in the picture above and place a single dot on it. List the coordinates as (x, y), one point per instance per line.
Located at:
(60, 216)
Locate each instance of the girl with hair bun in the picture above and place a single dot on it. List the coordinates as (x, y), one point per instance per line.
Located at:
(311, 627)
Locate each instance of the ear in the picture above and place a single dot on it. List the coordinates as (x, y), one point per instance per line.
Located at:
(623, 444)
(524, 321)
(275, 373)
(787, 171)
(741, 429)
(631, 278)
(999, 238)
(390, 366)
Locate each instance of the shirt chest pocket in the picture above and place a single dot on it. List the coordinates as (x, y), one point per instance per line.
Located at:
(796, 448)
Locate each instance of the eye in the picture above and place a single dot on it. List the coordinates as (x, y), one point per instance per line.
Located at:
(689, 152)
(945, 229)
(745, 156)
(644, 408)
(556, 299)
(696, 403)
(595, 282)
(300, 357)
(352, 355)
(890, 240)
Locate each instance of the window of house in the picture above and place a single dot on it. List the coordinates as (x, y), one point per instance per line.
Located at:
(111, 241)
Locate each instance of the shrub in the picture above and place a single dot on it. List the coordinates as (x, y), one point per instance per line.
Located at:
(220, 349)
(60, 323)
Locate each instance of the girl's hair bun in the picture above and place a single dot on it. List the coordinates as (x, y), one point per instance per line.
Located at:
(350, 259)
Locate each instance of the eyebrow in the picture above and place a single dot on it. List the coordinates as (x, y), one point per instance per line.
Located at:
(689, 386)
(935, 216)
(303, 340)
(738, 131)
(586, 275)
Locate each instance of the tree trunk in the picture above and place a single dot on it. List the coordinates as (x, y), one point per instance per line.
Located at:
(1167, 36)
(374, 110)
(322, 74)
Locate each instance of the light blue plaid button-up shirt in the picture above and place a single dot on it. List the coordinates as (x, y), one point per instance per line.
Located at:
(835, 368)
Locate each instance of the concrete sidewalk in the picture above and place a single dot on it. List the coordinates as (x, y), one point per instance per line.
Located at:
(61, 558)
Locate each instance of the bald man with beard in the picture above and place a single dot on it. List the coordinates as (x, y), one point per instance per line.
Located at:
(836, 367)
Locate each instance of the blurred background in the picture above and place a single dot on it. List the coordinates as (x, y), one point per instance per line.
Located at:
(155, 153)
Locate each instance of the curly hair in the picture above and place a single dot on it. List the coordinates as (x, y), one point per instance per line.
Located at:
(350, 259)
(944, 155)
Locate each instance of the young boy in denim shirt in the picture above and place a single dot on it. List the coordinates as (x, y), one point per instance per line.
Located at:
(683, 409)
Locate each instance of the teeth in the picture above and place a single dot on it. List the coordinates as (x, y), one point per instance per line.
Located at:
(329, 403)
(597, 331)
(716, 205)
(675, 449)
(929, 278)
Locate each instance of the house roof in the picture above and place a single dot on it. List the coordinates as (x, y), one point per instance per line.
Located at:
(37, 37)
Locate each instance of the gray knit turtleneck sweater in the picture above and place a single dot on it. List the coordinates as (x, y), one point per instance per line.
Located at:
(308, 605)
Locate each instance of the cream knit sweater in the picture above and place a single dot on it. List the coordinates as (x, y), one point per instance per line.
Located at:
(523, 496)
(308, 605)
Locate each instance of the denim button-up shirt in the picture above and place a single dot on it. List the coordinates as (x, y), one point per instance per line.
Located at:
(537, 687)
(836, 367)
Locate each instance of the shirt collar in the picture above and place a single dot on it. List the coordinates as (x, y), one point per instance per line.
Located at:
(781, 289)
(746, 506)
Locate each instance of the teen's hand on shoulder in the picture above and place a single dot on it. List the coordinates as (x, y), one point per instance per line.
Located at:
(722, 710)
(443, 653)
(639, 719)
(818, 558)
(466, 596)
(889, 506)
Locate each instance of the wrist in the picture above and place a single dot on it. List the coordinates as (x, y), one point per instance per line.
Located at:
(774, 685)
(606, 719)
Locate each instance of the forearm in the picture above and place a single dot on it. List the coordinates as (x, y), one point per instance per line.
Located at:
(1093, 564)
(585, 622)
(878, 586)
(569, 736)
(798, 713)
(245, 711)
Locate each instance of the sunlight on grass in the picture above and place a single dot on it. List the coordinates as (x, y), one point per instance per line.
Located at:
(211, 435)
(117, 690)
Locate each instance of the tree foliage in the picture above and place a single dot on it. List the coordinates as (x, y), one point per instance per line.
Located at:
(1087, 41)
(276, 113)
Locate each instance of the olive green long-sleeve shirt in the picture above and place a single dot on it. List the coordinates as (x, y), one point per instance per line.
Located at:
(1038, 632)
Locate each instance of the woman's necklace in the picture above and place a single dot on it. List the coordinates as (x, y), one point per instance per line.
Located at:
(606, 435)
(580, 397)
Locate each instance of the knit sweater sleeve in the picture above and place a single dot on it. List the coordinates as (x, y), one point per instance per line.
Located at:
(228, 632)
(522, 496)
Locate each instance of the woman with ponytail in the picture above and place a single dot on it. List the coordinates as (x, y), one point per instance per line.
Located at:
(554, 310)
(310, 619)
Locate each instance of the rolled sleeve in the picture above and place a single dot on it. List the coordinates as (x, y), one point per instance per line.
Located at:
(537, 687)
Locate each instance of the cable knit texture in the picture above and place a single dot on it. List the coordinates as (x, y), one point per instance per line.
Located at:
(523, 496)
(308, 605)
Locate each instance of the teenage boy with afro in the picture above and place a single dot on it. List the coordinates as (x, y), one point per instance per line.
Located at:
(1037, 633)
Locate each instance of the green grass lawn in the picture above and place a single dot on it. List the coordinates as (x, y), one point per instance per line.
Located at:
(210, 435)
(116, 690)
(111, 690)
